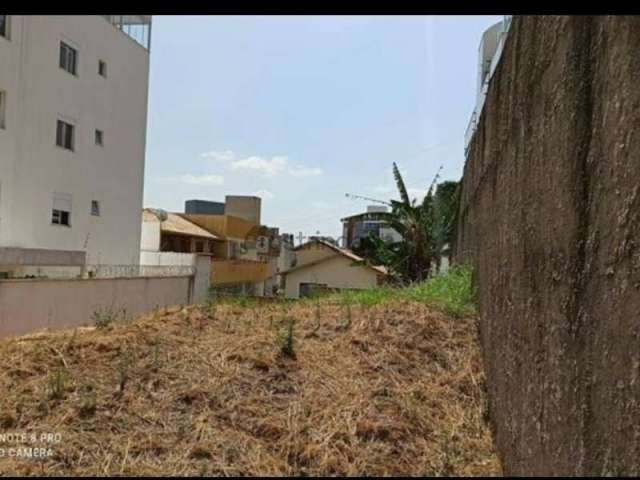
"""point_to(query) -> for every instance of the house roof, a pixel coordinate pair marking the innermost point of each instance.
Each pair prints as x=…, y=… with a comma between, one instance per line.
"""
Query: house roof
x=340, y=251
x=174, y=223
x=373, y=216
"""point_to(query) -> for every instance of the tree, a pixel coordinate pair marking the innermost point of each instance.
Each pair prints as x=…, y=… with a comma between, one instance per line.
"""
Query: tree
x=445, y=210
x=425, y=228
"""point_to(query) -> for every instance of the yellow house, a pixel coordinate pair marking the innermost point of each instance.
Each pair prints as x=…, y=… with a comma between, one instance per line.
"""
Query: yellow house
x=321, y=265
x=236, y=260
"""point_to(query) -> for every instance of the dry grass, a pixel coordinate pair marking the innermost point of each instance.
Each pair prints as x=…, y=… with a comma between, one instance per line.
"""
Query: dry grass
x=397, y=391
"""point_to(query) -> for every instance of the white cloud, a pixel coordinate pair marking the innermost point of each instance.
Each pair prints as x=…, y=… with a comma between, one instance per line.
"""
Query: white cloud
x=269, y=167
x=225, y=156
x=300, y=171
x=264, y=194
x=208, y=180
x=259, y=164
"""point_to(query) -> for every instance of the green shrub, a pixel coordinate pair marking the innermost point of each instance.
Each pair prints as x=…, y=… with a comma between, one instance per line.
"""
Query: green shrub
x=452, y=291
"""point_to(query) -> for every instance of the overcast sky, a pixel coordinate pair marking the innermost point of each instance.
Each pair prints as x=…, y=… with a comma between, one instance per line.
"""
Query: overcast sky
x=300, y=110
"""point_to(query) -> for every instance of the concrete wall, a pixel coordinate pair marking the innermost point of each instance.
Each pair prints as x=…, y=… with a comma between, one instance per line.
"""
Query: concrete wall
x=167, y=258
x=337, y=272
x=150, y=235
x=202, y=280
x=32, y=167
x=241, y=206
x=70, y=303
x=29, y=305
x=550, y=217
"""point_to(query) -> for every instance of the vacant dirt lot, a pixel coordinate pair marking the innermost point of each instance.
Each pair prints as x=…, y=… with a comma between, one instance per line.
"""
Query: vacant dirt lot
x=386, y=390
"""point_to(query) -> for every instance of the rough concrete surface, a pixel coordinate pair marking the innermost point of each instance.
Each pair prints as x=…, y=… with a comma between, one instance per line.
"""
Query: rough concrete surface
x=550, y=217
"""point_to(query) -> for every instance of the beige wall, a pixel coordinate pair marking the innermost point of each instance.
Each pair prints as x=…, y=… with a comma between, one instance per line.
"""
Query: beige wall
x=69, y=303
x=337, y=272
x=312, y=252
x=32, y=167
x=238, y=271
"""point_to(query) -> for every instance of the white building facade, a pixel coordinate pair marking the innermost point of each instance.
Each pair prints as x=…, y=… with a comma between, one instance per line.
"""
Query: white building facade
x=73, y=117
x=489, y=53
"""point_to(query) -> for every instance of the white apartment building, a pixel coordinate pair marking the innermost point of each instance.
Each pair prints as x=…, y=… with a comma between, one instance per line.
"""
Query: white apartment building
x=73, y=118
x=489, y=53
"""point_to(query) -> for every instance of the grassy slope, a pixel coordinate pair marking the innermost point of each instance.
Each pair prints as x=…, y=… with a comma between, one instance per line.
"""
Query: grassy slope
x=381, y=385
x=451, y=293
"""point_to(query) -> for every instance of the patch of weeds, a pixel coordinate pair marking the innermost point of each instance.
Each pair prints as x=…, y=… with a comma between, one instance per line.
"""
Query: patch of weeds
x=211, y=305
x=155, y=365
x=57, y=383
x=124, y=367
x=452, y=291
x=318, y=316
x=104, y=318
x=367, y=297
x=346, y=306
x=449, y=453
x=286, y=340
x=19, y=406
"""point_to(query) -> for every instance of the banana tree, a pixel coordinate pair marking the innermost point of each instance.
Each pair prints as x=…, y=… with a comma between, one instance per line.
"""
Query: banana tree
x=410, y=259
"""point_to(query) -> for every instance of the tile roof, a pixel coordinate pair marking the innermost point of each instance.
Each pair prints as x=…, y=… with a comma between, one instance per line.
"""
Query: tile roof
x=174, y=223
x=341, y=251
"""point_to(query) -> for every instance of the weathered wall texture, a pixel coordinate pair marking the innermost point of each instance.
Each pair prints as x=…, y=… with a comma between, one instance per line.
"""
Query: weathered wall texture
x=550, y=217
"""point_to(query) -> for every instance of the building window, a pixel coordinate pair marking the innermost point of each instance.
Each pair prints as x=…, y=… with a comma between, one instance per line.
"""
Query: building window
x=95, y=208
x=99, y=138
x=68, y=58
x=61, y=210
x=4, y=26
x=102, y=68
x=60, y=217
x=64, y=135
x=3, y=106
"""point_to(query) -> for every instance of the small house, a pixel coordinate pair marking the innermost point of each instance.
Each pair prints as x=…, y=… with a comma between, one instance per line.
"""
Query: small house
x=321, y=265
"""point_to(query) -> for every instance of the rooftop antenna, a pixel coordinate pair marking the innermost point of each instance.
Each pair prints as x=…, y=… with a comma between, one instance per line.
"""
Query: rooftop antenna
x=360, y=197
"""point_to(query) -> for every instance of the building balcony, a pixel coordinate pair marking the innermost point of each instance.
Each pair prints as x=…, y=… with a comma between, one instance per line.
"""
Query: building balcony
x=136, y=27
